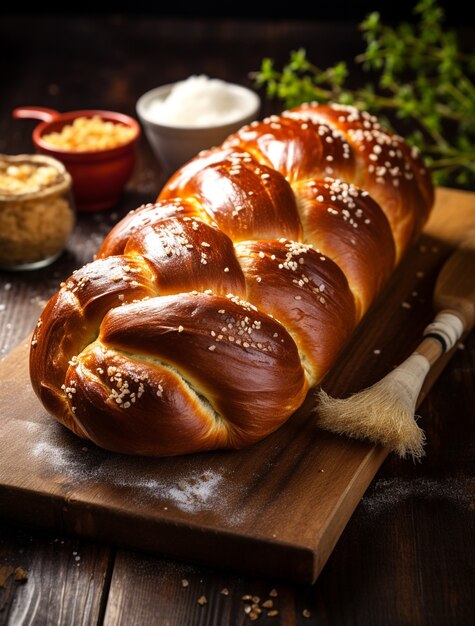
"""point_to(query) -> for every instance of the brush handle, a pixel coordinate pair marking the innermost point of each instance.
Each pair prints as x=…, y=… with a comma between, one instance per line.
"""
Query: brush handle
x=441, y=335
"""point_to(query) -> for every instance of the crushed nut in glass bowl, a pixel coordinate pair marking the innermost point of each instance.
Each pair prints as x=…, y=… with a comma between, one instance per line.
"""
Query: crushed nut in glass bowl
x=37, y=212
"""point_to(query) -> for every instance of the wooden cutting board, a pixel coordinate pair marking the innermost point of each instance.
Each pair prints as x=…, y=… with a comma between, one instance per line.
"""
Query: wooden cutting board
x=276, y=509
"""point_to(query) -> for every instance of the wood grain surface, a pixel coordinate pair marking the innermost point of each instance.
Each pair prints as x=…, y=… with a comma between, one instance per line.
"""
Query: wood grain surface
x=275, y=509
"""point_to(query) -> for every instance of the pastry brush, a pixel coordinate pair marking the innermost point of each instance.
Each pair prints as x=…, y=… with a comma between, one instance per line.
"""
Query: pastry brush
x=385, y=412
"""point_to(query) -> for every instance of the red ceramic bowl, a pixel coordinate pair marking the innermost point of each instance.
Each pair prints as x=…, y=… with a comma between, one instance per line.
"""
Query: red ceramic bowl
x=98, y=177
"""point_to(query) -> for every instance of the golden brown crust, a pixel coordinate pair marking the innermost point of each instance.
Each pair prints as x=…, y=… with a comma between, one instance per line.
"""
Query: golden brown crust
x=155, y=361
x=297, y=148
x=394, y=176
x=71, y=321
x=244, y=198
x=347, y=225
x=145, y=215
x=207, y=315
x=186, y=254
x=116, y=399
x=307, y=292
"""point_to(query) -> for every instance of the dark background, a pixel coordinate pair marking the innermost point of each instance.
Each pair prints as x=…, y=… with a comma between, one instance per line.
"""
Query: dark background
x=330, y=10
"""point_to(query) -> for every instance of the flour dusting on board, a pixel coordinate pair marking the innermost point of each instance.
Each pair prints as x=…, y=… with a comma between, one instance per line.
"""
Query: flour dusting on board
x=191, y=491
x=196, y=492
x=386, y=494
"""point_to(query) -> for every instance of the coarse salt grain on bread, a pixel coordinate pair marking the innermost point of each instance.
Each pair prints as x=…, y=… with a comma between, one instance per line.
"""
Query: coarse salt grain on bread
x=208, y=315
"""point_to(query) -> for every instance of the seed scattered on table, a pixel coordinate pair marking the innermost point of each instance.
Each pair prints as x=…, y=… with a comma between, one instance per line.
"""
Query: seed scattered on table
x=202, y=600
x=273, y=593
x=20, y=574
x=225, y=591
x=306, y=613
x=184, y=583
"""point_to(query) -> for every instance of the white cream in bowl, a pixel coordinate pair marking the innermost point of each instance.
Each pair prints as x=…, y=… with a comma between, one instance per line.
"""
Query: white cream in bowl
x=200, y=101
x=183, y=118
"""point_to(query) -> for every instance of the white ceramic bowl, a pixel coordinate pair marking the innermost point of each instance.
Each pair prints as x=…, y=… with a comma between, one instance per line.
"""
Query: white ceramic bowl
x=175, y=145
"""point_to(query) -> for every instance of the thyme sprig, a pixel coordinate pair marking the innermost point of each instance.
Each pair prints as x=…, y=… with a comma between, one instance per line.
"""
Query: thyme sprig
x=421, y=84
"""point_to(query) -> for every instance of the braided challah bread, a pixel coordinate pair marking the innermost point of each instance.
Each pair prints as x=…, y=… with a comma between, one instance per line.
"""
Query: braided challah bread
x=207, y=315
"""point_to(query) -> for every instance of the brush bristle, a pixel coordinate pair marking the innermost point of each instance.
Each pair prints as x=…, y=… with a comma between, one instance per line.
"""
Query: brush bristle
x=375, y=414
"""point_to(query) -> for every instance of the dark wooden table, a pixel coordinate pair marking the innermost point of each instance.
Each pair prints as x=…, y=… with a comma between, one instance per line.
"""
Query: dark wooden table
x=407, y=555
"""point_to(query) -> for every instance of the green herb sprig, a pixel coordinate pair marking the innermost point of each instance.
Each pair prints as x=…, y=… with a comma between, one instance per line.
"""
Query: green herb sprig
x=421, y=84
